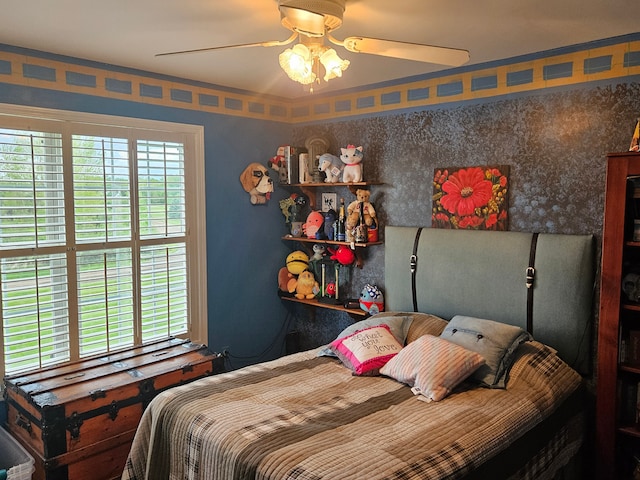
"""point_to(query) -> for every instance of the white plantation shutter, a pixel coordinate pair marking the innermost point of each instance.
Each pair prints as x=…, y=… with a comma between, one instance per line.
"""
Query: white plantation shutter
x=94, y=244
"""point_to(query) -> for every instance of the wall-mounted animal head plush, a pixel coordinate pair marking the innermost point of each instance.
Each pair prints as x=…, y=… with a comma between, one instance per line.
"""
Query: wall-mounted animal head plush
x=256, y=181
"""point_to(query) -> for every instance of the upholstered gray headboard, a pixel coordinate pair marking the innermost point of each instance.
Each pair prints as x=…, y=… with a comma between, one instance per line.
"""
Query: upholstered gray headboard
x=483, y=274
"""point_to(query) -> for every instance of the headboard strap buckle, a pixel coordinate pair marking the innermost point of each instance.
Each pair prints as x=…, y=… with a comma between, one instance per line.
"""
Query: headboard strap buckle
x=531, y=274
x=413, y=263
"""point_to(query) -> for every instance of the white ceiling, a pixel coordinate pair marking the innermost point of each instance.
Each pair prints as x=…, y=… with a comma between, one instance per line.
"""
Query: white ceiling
x=130, y=32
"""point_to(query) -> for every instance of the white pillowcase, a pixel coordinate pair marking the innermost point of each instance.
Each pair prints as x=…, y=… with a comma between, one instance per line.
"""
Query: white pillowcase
x=432, y=366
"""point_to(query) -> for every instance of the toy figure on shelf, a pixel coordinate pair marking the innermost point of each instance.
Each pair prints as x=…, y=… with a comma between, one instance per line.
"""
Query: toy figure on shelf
x=315, y=221
x=319, y=252
x=354, y=210
x=343, y=254
x=635, y=140
x=330, y=217
x=371, y=299
x=331, y=166
x=306, y=286
x=352, y=158
x=293, y=210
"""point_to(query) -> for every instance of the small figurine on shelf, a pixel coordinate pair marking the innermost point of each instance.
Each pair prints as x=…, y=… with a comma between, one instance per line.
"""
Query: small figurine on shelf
x=371, y=299
x=293, y=210
x=343, y=254
x=635, y=140
x=314, y=223
x=306, y=286
x=360, y=211
x=352, y=158
x=331, y=166
x=330, y=218
x=319, y=252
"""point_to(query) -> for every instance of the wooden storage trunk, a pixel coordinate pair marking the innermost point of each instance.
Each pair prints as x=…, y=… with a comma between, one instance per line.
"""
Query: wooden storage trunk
x=78, y=420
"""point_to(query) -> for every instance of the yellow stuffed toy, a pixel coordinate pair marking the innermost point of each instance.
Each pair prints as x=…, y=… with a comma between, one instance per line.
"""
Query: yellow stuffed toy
x=306, y=286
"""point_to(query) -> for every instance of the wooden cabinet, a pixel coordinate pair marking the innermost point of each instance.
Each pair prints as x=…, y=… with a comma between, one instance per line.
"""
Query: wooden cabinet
x=618, y=365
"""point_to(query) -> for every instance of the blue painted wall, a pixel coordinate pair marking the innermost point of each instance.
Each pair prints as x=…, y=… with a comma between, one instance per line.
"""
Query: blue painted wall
x=244, y=250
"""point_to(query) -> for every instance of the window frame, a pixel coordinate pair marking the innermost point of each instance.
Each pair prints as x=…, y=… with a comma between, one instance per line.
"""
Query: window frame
x=192, y=136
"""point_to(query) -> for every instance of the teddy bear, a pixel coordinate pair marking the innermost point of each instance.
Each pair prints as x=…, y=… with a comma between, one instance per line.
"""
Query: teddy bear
x=306, y=286
x=353, y=210
x=352, y=158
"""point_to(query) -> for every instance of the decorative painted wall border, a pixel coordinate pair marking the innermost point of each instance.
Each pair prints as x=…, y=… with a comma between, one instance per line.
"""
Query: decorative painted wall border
x=484, y=81
x=596, y=61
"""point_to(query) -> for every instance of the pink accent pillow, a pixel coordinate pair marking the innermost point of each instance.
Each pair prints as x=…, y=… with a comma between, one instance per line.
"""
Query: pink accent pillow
x=366, y=350
x=432, y=366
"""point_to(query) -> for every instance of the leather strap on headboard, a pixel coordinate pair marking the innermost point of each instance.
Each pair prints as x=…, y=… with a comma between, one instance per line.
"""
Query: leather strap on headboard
x=413, y=267
x=479, y=274
x=530, y=278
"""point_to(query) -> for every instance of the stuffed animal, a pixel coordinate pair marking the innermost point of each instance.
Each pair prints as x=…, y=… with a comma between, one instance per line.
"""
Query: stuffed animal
x=306, y=286
x=330, y=217
x=319, y=251
x=279, y=163
x=315, y=221
x=353, y=210
x=352, y=158
x=371, y=299
x=344, y=255
x=285, y=280
x=331, y=166
x=256, y=181
x=297, y=262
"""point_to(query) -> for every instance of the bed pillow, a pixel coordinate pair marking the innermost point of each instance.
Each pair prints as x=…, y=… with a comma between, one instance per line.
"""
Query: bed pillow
x=495, y=341
x=432, y=366
x=424, y=323
x=398, y=324
x=365, y=351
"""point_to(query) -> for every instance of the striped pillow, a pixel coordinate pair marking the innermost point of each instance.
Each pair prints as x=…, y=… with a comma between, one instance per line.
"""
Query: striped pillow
x=432, y=366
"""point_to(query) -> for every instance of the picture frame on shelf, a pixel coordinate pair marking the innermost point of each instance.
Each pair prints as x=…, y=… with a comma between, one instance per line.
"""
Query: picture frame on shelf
x=329, y=201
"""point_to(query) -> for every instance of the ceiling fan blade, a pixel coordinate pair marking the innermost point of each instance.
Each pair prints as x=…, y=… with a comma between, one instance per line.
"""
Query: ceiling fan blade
x=453, y=57
x=274, y=43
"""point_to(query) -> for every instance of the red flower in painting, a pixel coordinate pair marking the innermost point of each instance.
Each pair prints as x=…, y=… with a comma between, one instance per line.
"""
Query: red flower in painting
x=472, y=221
x=491, y=220
x=466, y=190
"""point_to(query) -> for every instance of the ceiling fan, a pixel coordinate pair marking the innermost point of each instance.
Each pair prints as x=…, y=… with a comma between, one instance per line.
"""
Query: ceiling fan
x=314, y=20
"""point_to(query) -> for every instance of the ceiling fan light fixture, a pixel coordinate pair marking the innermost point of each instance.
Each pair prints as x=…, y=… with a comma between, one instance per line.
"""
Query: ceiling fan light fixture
x=333, y=64
x=297, y=63
x=311, y=17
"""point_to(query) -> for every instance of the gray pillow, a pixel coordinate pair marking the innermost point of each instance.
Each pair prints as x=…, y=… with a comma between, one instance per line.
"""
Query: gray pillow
x=398, y=324
x=495, y=341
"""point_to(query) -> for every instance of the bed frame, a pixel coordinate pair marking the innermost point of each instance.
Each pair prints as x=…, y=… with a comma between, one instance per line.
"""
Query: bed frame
x=560, y=270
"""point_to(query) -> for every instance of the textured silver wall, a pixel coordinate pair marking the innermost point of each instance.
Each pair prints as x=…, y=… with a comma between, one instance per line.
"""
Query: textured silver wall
x=554, y=141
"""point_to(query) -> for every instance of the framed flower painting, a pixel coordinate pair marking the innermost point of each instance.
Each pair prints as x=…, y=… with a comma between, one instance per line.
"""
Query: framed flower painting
x=473, y=198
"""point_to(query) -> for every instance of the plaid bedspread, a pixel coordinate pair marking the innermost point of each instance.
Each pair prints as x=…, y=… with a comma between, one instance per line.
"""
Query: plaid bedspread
x=307, y=418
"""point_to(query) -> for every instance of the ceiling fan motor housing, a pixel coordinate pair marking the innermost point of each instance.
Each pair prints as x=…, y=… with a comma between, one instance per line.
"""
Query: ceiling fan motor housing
x=331, y=10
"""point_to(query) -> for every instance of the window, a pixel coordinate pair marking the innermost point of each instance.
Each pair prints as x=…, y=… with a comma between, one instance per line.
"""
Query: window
x=101, y=236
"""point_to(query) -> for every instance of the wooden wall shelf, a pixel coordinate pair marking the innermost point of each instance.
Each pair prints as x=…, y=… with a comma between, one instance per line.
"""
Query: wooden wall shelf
x=309, y=189
x=353, y=312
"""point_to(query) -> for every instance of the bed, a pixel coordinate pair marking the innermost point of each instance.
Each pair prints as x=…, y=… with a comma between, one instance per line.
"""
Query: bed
x=518, y=412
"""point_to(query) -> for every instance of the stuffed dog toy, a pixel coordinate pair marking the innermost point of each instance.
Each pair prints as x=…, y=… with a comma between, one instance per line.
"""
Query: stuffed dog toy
x=256, y=181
